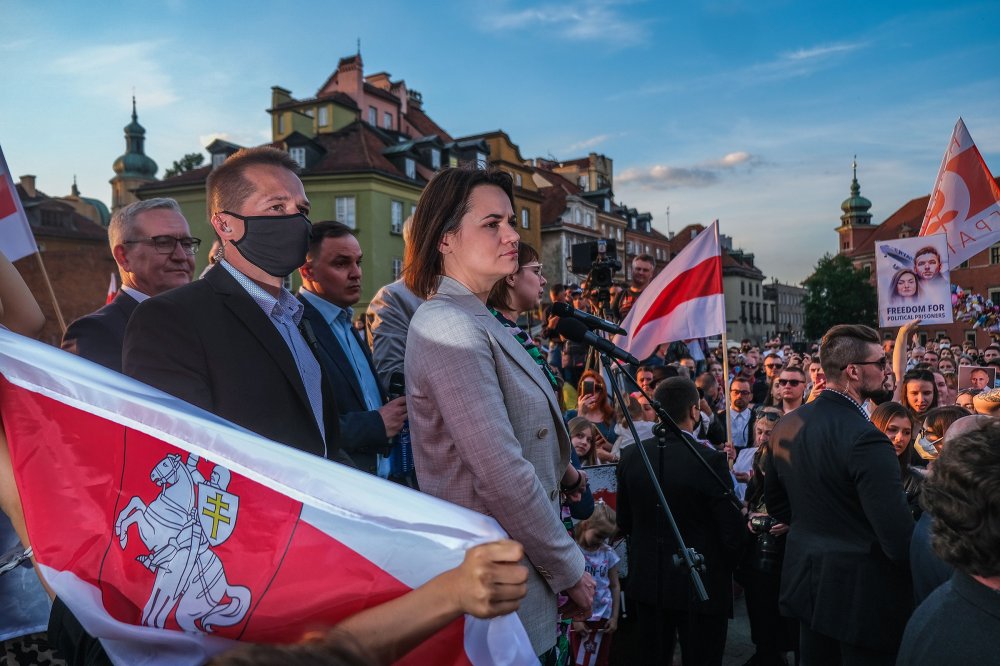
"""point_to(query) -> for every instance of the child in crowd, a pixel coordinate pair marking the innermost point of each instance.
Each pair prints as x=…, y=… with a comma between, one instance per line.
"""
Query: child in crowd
x=582, y=434
x=590, y=641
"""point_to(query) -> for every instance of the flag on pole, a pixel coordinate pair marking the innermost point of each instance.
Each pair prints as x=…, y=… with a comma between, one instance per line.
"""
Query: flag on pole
x=172, y=534
x=16, y=239
x=965, y=203
x=684, y=301
x=112, y=289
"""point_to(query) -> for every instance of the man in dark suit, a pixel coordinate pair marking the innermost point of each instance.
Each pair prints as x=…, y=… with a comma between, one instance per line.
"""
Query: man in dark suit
x=660, y=592
x=152, y=244
x=740, y=412
x=834, y=478
x=331, y=284
x=230, y=342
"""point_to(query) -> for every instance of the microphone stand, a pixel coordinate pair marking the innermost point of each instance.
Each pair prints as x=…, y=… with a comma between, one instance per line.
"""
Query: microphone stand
x=686, y=557
x=667, y=424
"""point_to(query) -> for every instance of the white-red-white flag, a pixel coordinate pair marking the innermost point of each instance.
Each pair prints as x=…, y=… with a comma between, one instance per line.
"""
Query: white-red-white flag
x=172, y=534
x=16, y=239
x=112, y=289
x=684, y=301
x=965, y=203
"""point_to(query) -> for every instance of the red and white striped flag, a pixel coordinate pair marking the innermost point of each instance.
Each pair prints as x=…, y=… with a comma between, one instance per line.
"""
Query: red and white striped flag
x=112, y=289
x=965, y=203
x=684, y=301
x=16, y=239
x=171, y=534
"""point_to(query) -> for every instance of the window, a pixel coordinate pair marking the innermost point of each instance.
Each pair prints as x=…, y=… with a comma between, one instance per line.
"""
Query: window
x=743, y=310
x=628, y=247
x=397, y=268
x=645, y=248
x=970, y=336
x=281, y=123
x=995, y=254
x=995, y=296
x=590, y=220
x=298, y=154
x=372, y=116
x=618, y=235
x=452, y=161
x=743, y=288
x=867, y=270
x=324, y=116
x=607, y=205
x=481, y=160
x=758, y=291
x=218, y=159
x=435, y=158
x=345, y=211
x=517, y=179
x=387, y=120
x=577, y=216
x=411, y=169
x=397, y=217
x=582, y=182
x=525, y=218
x=758, y=311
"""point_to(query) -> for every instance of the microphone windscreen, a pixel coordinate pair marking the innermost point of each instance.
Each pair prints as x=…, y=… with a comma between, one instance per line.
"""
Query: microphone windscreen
x=562, y=309
x=572, y=329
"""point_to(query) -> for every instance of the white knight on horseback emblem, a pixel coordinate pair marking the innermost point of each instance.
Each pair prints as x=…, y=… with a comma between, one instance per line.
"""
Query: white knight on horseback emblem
x=179, y=527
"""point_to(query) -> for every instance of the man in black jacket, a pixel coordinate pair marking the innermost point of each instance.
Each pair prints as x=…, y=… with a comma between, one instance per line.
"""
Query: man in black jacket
x=660, y=592
x=833, y=477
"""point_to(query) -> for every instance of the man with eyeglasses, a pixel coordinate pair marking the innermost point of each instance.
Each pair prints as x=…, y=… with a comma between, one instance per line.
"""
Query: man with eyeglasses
x=739, y=413
x=834, y=478
x=152, y=245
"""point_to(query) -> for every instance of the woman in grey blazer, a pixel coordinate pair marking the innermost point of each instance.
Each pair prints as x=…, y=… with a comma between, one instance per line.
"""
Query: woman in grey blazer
x=487, y=432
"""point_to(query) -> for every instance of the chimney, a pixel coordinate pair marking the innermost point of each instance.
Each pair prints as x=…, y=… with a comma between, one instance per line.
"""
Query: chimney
x=28, y=185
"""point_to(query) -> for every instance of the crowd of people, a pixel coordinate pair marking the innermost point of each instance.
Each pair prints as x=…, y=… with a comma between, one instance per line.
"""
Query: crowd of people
x=834, y=486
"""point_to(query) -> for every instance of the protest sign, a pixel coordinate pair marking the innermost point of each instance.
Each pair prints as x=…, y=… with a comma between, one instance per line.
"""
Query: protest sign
x=976, y=377
x=913, y=280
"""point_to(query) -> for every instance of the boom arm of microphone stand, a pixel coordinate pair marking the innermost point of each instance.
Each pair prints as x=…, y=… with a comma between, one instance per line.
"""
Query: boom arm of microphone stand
x=667, y=423
x=684, y=554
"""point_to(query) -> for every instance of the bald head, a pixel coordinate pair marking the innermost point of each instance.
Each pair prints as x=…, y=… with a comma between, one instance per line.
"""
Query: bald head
x=987, y=402
x=967, y=424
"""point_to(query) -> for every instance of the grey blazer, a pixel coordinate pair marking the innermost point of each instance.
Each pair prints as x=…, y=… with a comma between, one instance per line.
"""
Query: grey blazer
x=488, y=435
x=389, y=316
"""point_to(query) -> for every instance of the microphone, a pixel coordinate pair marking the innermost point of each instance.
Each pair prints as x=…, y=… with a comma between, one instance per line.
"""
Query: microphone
x=589, y=320
x=576, y=331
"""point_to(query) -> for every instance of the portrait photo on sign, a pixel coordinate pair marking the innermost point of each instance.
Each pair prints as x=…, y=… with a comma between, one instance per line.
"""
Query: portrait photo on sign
x=913, y=281
x=976, y=377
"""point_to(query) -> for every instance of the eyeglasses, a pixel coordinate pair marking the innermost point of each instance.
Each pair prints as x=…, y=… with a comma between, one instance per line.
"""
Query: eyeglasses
x=884, y=362
x=789, y=382
x=750, y=366
x=739, y=392
x=773, y=365
x=166, y=244
x=769, y=415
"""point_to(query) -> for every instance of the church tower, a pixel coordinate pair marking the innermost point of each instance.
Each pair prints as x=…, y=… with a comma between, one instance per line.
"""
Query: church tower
x=856, y=216
x=132, y=169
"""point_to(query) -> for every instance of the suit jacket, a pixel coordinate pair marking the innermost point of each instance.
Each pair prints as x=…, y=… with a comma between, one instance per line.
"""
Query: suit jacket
x=99, y=336
x=391, y=311
x=834, y=479
x=708, y=522
x=487, y=434
x=718, y=432
x=362, y=430
x=209, y=343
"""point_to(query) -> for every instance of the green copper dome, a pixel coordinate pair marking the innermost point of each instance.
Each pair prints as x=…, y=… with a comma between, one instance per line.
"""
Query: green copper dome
x=135, y=163
x=856, y=203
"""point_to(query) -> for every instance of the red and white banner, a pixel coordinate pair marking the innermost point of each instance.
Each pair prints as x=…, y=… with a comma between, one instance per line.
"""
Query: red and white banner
x=171, y=533
x=112, y=289
x=684, y=301
x=16, y=239
x=965, y=203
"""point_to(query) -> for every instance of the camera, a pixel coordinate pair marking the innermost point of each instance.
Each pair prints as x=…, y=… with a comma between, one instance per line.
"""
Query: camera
x=599, y=260
x=767, y=550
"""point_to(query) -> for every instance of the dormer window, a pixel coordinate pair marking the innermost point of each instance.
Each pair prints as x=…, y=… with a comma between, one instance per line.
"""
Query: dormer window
x=298, y=154
x=372, y=116
x=607, y=205
x=582, y=182
x=435, y=158
x=324, y=116
x=481, y=160
x=387, y=120
x=218, y=159
x=517, y=179
x=411, y=169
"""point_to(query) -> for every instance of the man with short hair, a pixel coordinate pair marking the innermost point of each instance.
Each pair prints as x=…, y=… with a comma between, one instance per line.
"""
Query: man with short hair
x=931, y=359
x=331, y=285
x=959, y=622
x=991, y=353
x=791, y=387
x=817, y=378
x=740, y=414
x=708, y=522
x=979, y=379
x=833, y=477
x=643, y=266
x=772, y=366
x=927, y=264
x=152, y=245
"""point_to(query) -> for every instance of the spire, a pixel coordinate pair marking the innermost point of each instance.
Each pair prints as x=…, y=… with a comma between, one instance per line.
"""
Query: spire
x=855, y=186
x=855, y=207
x=75, y=191
x=135, y=116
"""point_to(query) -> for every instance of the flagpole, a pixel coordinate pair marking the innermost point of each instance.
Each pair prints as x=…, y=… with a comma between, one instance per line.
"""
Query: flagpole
x=725, y=388
x=52, y=294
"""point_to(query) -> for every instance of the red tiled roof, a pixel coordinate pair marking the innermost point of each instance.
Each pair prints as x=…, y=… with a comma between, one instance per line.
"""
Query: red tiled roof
x=192, y=177
x=683, y=237
x=554, y=196
x=357, y=147
x=378, y=92
x=424, y=125
x=339, y=97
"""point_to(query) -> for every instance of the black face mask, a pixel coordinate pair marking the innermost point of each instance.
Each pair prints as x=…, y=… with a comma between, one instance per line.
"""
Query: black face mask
x=275, y=244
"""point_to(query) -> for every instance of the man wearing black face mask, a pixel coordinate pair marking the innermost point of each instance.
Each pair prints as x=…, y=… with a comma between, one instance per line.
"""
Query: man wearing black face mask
x=231, y=342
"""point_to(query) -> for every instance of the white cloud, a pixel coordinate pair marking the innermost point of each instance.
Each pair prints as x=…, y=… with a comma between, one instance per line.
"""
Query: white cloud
x=705, y=174
x=586, y=144
x=821, y=51
x=113, y=71
x=600, y=20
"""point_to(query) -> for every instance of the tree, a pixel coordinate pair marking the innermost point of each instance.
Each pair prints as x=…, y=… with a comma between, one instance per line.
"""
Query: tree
x=186, y=163
x=837, y=293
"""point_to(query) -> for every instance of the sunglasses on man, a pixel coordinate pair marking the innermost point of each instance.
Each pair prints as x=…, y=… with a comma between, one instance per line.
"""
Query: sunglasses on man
x=789, y=382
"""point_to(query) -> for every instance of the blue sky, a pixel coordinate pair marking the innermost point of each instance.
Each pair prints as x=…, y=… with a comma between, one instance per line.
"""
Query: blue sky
x=749, y=112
